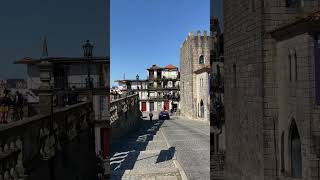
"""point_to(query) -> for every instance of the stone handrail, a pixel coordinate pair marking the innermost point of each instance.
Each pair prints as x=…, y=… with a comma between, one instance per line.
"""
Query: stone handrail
x=124, y=115
x=122, y=105
x=25, y=143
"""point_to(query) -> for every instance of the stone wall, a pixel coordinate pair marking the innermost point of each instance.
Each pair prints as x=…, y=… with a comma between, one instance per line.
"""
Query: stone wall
x=202, y=93
x=258, y=103
x=40, y=148
x=125, y=116
x=243, y=90
x=192, y=48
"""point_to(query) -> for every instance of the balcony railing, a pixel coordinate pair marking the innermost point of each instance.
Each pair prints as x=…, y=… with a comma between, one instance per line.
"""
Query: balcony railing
x=163, y=88
x=62, y=83
x=163, y=97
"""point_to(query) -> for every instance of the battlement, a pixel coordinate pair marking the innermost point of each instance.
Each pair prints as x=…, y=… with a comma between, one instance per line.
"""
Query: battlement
x=199, y=34
x=198, y=38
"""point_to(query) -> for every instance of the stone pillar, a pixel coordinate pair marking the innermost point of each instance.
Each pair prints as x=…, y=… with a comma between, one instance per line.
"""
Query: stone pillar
x=45, y=89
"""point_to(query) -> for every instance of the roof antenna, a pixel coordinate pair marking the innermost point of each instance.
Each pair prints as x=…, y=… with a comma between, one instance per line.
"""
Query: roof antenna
x=45, y=47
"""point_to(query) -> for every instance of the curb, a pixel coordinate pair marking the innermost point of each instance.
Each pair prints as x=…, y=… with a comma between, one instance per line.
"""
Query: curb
x=175, y=161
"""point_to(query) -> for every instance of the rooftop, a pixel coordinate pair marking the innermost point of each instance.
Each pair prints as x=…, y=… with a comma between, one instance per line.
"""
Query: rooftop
x=62, y=60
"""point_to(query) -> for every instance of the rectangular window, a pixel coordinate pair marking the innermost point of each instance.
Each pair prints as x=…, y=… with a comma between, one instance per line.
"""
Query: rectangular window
x=294, y=3
x=234, y=75
x=296, y=66
x=290, y=69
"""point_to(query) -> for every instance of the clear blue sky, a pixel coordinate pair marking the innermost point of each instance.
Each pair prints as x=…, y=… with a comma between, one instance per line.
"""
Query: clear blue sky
x=146, y=32
x=67, y=24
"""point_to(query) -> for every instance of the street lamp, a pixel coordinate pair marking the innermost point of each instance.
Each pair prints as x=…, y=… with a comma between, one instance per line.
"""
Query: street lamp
x=87, y=52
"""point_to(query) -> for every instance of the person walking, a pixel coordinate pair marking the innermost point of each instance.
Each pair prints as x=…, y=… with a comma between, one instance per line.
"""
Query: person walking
x=150, y=115
x=6, y=102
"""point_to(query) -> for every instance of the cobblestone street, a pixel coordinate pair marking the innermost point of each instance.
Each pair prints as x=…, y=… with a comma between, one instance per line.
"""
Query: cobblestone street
x=191, y=140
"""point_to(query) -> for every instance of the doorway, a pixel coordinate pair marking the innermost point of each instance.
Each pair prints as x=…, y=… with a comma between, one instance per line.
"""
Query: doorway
x=296, y=159
x=144, y=106
x=201, y=109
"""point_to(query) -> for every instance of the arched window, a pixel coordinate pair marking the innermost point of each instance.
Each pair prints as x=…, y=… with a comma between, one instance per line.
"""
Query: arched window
x=201, y=59
x=295, y=65
x=253, y=5
x=282, y=152
x=295, y=151
x=290, y=70
x=201, y=109
x=234, y=69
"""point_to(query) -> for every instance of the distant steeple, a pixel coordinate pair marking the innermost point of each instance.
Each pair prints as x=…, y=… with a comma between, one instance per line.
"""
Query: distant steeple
x=45, y=48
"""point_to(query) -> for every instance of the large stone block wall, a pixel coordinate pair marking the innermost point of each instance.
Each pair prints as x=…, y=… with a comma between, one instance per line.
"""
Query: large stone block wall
x=202, y=93
x=275, y=15
x=252, y=106
x=31, y=151
x=297, y=102
x=192, y=48
x=243, y=90
x=125, y=116
x=186, y=78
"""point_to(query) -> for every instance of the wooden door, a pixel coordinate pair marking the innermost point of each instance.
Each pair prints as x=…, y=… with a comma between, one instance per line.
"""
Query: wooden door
x=166, y=105
x=144, y=107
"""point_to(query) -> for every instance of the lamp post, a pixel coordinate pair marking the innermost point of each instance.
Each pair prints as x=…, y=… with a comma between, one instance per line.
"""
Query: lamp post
x=87, y=52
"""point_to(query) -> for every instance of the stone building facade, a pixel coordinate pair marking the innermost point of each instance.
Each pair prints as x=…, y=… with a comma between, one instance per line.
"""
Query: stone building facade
x=195, y=71
x=272, y=119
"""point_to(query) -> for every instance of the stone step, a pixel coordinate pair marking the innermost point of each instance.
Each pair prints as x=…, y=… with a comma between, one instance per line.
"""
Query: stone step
x=155, y=176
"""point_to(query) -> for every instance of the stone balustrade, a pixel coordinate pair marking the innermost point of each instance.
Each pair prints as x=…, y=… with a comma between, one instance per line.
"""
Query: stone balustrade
x=25, y=144
x=125, y=115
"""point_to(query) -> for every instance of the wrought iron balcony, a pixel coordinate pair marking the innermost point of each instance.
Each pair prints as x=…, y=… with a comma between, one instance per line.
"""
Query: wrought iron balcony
x=62, y=83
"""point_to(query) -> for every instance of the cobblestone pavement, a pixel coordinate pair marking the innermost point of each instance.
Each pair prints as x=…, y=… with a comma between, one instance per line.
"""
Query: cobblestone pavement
x=191, y=140
x=143, y=154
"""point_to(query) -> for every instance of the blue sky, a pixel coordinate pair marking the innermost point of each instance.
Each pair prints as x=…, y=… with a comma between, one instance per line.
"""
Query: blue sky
x=67, y=24
x=146, y=32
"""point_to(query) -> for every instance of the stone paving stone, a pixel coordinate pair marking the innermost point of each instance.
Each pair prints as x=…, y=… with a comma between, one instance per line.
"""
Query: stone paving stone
x=192, y=148
x=142, y=155
x=166, y=178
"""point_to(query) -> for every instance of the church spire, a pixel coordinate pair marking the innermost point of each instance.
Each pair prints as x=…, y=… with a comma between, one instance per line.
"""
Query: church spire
x=45, y=48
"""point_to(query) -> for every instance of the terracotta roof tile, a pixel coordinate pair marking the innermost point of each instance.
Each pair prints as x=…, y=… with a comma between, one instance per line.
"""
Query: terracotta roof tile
x=170, y=66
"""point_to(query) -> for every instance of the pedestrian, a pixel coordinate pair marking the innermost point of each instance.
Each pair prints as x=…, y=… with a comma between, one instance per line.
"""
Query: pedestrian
x=150, y=115
x=5, y=104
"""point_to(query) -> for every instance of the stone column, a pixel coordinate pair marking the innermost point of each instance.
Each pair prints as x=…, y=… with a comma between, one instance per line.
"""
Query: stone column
x=45, y=89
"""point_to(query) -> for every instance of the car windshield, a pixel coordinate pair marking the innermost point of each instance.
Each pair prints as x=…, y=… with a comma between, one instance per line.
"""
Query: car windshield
x=164, y=113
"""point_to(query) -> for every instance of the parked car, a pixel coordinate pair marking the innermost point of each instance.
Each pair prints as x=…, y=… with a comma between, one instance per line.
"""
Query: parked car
x=164, y=115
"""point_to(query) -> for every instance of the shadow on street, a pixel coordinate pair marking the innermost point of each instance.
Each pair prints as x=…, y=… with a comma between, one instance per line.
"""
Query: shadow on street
x=125, y=151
